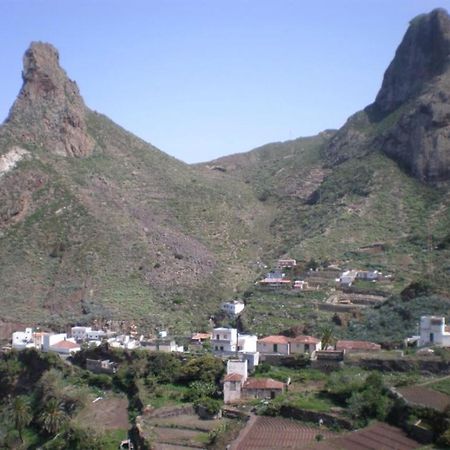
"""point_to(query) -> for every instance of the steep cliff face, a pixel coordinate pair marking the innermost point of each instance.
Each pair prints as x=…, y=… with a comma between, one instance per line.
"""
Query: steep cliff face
x=410, y=118
x=415, y=94
x=49, y=110
x=423, y=54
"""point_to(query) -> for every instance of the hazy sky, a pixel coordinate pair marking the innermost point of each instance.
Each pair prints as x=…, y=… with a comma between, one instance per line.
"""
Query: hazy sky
x=205, y=78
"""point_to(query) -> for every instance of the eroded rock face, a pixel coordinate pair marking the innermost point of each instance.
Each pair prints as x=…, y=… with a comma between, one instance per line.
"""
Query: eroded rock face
x=420, y=140
x=49, y=110
x=410, y=118
x=423, y=54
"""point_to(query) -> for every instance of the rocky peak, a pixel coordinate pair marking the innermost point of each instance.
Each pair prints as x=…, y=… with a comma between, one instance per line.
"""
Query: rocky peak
x=49, y=110
x=423, y=54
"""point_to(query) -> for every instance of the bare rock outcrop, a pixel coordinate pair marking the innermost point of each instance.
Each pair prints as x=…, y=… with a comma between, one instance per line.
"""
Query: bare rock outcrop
x=410, y=118
x=49, y=110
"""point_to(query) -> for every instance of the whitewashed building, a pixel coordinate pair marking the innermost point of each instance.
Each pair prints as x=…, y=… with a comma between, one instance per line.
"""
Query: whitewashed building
x=237, y=372
x=227, y=341
x=433, y=331
x=79, y=333
x=233, y=308
x=23, y=339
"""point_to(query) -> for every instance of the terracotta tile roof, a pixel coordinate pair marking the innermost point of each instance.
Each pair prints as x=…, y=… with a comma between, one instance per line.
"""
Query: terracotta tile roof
x=263, y=383
x=233, y=377
x=199, y=336
x=65, y=345
x=275, y=339
x=305, y=340
x=275, y=280
x=357, y=345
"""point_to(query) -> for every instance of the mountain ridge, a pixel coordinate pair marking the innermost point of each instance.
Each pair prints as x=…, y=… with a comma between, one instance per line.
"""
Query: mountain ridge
x=95, y=223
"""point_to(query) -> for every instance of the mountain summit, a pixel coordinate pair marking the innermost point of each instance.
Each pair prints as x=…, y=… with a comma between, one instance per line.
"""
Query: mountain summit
x=410, y=118
x=49, y=110
x=423, y=54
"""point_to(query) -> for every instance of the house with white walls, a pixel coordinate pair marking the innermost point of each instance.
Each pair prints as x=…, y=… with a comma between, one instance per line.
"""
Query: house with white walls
x=79, y=333
x=23, y=339
x=226, y=341
x=237, y=373
x=233, y=308
x=284, y=346
x=274, y=345
x=433, y=331
x=65, y=347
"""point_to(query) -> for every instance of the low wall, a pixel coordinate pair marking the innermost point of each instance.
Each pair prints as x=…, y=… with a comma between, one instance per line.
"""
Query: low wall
x=402, y=365
x=169, y=411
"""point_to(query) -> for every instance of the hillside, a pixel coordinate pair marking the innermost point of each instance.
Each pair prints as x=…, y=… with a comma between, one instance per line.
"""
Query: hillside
x=97, y=224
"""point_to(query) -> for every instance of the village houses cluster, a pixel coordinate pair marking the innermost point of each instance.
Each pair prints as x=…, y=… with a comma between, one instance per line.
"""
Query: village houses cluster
x=243, y=352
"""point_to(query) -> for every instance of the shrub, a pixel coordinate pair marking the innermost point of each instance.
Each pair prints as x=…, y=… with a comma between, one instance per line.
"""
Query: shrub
x=209, y=405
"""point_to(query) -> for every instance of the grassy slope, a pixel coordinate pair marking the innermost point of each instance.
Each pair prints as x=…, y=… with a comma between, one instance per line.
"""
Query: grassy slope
x=133, y=234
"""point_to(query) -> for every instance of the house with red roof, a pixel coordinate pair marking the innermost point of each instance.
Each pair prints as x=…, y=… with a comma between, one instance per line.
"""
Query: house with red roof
x=65, y=347
x=285, y=346
x=276, y=344
x=262, y=388
x=357, y=346
x=237, y=385
x=304, y=344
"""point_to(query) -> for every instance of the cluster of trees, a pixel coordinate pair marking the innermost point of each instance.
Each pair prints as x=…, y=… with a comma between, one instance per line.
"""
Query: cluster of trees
x=39, y=397
x=40, y=394
x=365, y=396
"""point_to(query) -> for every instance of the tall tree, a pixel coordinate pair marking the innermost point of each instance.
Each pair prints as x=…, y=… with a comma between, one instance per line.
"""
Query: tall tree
x=53, y=416
x=21, y=414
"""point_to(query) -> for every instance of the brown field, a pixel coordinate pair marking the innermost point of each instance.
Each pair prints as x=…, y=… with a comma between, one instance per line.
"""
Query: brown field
x=379, y=436
x=271, y=433
x=420, y=395
x=106, y=414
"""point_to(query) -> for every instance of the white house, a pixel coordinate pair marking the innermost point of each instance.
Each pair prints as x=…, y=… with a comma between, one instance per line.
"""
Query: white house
x=300, y=284
x=23, y=339
x=95, y=335
x=347, y=278
x=283, y=345
x=233, y=308
x=224, y=340
x=51, y=339
x=370, y=275
x=237, y=372
x=227, y=341
x=65, y=347
x=274, y=345
x=247, y=343
x=304, y=344
x=286, y=263
x=433, y=331
x=79, y=333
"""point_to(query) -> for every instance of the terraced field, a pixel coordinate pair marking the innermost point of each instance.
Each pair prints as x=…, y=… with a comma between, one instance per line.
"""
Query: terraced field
x=272, y=433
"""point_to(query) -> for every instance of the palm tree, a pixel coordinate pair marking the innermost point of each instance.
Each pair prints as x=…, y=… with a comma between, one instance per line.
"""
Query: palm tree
x=53, y=416
x=327, y=337
x=21, y=414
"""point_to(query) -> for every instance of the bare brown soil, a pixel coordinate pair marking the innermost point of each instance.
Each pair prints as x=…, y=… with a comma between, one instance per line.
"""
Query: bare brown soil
x=272, y=433
x=421, y=395
x=380, y=436
x=106, y=414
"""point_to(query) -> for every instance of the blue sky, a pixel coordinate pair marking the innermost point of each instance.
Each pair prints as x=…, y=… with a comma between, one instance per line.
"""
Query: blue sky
x=205, y=78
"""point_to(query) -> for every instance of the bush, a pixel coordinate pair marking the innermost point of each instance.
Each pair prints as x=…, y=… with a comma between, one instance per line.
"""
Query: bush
x=209, y=405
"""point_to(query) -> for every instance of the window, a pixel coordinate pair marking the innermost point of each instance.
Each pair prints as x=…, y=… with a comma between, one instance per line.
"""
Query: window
x=218, y=337
x=431, y=337
x=306, y=347
x=221, y=348
x=275, y=348
x=232, y=385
